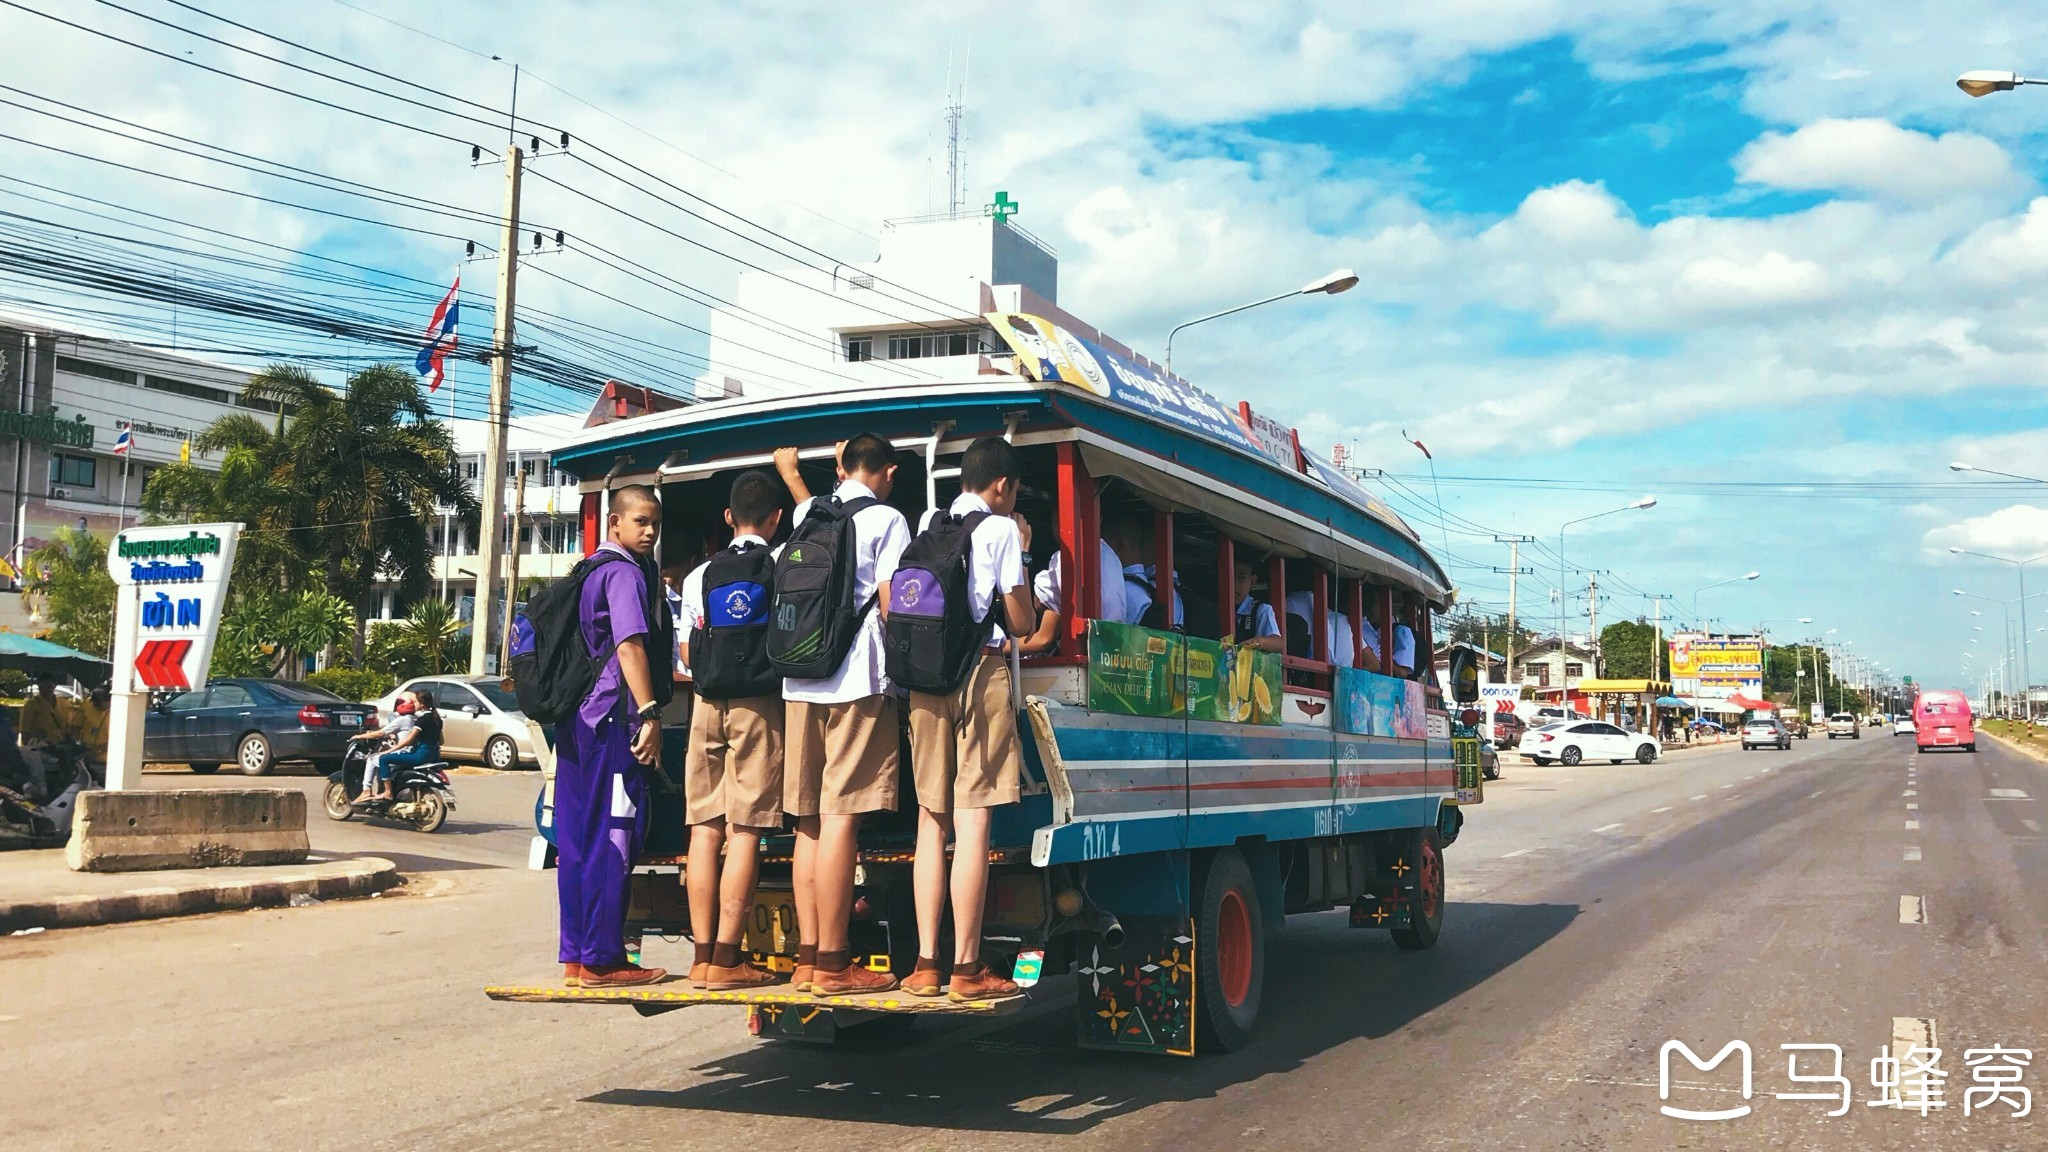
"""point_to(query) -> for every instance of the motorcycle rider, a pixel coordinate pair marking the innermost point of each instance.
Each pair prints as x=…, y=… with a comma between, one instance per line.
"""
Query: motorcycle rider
x=417, y=732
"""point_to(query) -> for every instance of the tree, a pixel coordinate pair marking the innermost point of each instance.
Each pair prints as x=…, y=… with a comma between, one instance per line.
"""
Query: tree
x=429, y=642
x=1625, y=649
x=272, y=553
x=66, y=582
x=1487, y=630
x=274, y=634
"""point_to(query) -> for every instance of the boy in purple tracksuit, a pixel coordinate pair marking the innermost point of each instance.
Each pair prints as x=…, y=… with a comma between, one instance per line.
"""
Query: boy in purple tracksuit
x=602, y=752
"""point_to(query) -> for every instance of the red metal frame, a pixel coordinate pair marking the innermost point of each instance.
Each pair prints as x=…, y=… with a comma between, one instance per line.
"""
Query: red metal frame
x=1162, y=567
x=1226, y=585
x=1080, y=536
x=593, y=521
x=1319, y=616
x=1354, y=608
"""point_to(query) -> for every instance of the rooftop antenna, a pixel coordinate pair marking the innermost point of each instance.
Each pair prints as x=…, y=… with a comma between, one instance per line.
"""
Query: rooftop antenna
x=955, y=109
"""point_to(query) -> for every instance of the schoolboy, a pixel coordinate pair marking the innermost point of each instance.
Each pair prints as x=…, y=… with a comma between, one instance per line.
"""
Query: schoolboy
x=1256, y=626
x=963, y=746
x=732, y=777
x=840, y=734
x=602, y=752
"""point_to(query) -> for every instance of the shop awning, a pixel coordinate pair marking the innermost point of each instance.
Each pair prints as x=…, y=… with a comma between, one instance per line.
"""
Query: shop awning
x=1624, y=687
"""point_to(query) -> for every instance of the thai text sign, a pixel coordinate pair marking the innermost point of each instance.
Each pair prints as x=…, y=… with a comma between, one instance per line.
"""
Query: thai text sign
x=1139, y=671
x=170, y=584
x=1720, y=665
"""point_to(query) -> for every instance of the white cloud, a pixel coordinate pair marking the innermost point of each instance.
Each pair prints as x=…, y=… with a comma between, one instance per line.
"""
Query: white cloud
x=2018, y=532
x=1876, y=157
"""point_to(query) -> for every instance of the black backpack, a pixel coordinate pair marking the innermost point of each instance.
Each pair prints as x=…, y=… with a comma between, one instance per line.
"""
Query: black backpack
x=813, y=619
x=552, y=668
x=729, y=654
x=930, y=637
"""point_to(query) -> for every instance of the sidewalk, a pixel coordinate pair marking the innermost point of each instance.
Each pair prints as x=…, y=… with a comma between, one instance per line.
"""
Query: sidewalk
x=37, y=890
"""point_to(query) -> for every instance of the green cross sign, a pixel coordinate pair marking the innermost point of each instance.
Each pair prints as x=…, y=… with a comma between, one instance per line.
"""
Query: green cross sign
x=1004, y=207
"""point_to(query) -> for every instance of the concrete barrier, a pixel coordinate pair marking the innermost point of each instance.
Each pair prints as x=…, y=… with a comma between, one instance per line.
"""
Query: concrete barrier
x=194, y=828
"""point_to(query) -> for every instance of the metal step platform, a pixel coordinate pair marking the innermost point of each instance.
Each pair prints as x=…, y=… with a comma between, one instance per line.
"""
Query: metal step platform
x=679, y=994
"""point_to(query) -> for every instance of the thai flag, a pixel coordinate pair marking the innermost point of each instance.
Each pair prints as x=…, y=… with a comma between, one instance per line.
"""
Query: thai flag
x=440, y=338
x=123, y=441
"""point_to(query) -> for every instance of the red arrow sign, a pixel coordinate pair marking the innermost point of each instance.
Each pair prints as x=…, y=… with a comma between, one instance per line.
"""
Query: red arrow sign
x=161, y=663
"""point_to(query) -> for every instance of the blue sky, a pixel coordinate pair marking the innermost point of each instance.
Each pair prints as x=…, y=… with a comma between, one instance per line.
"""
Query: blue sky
x=1610, y=248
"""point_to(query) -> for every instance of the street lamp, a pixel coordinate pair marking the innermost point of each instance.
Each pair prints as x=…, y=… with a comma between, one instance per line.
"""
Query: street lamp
x=2026, y=655
x=1645, y=502
x=1342, y=280
x=1733, y=580
x=1983, y=82
x=1959, y=466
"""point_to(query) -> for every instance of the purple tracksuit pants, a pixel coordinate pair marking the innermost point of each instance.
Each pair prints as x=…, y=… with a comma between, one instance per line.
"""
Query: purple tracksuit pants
x=600, y=818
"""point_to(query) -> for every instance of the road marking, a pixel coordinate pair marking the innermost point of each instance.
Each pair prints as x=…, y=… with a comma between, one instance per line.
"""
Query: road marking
x=1813, y=795
x=1725, y=787
x=1912, y=825
x=1701, y=796
x=1656, y=811
x=1910, y=792
x=1912, y=854
x=1912, y=807
x=1607, y=827
x=1912, y=910
x=2032, y=825
x=1517, y=852
x=2008, y=794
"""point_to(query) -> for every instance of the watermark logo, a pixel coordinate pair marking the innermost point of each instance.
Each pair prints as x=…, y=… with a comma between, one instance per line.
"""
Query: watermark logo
x=1692, y=1058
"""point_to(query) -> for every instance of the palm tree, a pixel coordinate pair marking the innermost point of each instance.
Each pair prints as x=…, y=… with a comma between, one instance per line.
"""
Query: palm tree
x=370, y=464
x=433, y=632
x=271, y=555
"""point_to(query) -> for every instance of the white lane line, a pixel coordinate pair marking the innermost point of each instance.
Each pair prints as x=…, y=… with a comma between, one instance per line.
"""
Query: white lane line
x=1912, y=854
x=1912, y=825
x=1912, y=910
x=1725, y=787
x=1607, y=827
x=1908, y=1033
x=2032, y=825
x=1910, y=792
x=1703, y=796
x=1912, y=807
x=1813, y=795
x=1656, y=811
x=2008, y=794
x=1517, y=852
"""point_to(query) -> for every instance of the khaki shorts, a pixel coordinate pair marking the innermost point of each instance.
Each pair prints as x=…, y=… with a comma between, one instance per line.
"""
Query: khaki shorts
x=840, y=759
x=963, y=748
x=734, y=769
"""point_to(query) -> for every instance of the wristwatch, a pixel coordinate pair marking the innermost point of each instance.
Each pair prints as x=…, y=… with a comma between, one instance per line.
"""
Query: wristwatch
x=648, y=711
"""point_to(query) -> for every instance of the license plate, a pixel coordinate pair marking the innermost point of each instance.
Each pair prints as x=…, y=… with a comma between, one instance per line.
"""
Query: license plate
x=772, y=926
x=350, y=720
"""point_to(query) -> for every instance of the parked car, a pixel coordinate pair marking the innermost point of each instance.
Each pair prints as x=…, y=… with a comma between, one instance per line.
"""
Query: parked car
x=1903, y=726
x=1508, y=729
x=1844, y=724
x=1765, y=732
x=1572, y=743
x=1489, y=760
x=253, y=724
x=480, y=720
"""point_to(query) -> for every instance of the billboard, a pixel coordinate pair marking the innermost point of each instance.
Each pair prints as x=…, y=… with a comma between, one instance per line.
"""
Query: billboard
x=1717, y=667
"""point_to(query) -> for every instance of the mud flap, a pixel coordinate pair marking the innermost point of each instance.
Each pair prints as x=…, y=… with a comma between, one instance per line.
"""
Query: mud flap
x=1389, y=901
x=1139, y=996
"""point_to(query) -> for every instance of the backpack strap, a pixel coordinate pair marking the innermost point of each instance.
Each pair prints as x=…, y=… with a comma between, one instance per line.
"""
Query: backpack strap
x=970, y=522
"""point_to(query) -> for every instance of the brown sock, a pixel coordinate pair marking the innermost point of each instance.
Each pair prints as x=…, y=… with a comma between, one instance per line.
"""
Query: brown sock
x=725, y=955
x=807, y=955
x=704, y=952
x=971, y=968
x=927, y=964
x=834, y=961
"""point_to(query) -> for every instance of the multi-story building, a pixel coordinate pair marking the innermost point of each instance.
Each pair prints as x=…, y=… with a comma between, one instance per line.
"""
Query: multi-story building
x=1547, y=666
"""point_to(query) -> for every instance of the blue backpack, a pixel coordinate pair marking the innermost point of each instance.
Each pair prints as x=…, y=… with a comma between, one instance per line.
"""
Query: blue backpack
x=729, y=655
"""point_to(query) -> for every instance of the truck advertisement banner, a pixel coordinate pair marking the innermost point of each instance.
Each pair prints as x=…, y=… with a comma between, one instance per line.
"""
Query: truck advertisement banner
x=1142, y=672
x=1718, y=667
x=1369, y=704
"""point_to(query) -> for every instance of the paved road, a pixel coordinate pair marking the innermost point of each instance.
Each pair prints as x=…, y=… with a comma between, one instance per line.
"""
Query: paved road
x=1597, y=913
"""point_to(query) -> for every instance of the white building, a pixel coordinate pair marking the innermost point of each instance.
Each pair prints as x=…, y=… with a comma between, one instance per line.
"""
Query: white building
x=1546, y=665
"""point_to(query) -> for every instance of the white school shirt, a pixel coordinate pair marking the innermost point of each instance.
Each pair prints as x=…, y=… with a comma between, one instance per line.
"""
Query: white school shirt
x=690, y=605
x=1263, y=621
x=1404, y=646
x=880, y=533
x=995, y=564
x=1337, y=630
x=675, y=615
x=1137, y=601
x=1050, y=585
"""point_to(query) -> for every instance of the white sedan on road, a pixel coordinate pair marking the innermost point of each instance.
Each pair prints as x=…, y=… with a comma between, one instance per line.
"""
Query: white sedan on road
x=1903, y=726
x=1572, y=743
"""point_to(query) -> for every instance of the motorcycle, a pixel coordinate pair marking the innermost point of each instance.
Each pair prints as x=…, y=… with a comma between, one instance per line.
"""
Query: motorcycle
x=420, y=793
x=39, y=794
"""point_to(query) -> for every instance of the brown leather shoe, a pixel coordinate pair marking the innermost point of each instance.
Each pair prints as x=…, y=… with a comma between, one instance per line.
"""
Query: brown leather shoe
x=925, y=980
x=572, y=975
x=982, y=985
x=737, y=978
x=697, y=973
x=621, y=976
x=801, y=978
x=852, y=981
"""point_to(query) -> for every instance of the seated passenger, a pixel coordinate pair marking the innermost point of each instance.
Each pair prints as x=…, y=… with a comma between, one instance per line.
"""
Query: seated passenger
x=1256, y=625
x=1406, y=609
x=1301, y=606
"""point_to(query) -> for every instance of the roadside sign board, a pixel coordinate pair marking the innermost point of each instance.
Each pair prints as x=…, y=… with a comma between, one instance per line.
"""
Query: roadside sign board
x=170, y=583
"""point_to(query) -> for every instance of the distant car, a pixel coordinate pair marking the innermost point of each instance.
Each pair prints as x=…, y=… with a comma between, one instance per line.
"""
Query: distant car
x=1844, y=724
x=1765, y=733
x=480, y=720
x=1573, y=743
x=1508, y=729
x=1489, y=760
x=1903, y=726
x=253, y=724
x=1797, y=728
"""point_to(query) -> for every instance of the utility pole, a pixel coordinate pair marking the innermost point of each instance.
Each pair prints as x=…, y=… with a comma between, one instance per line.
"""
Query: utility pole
x=1593, y=617
x=1657, y=600
x=1514, y=570
x=499, y=413
x=512, y=577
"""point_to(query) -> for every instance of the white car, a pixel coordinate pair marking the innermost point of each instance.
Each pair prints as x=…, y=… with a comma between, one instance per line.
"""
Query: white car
x=1903, y=726
x=480, y=720
x=1574, y=742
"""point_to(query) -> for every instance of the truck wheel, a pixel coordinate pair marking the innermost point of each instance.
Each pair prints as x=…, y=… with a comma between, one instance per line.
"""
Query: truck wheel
x=1426, y=922
x=1230, y=955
